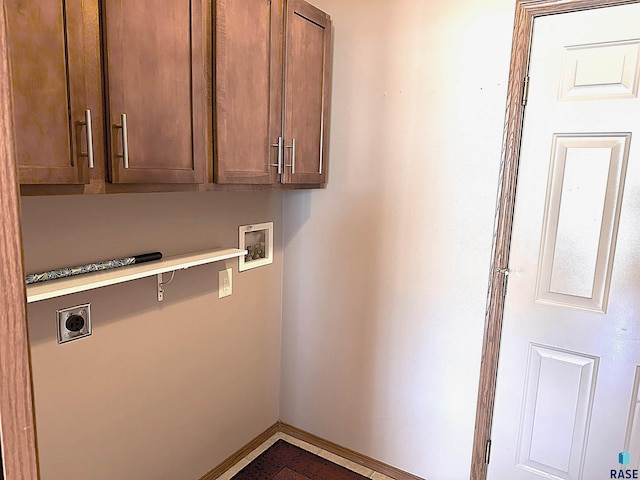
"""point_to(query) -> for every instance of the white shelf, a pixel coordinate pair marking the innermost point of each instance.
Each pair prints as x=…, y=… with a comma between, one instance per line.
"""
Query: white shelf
x=89, y=281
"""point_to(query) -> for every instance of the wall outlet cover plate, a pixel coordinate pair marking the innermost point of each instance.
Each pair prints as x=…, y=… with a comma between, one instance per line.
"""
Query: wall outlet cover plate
x=225, y=283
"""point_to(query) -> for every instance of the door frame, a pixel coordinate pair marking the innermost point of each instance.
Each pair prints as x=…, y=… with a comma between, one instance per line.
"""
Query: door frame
x=17, y=424
x=526, y=13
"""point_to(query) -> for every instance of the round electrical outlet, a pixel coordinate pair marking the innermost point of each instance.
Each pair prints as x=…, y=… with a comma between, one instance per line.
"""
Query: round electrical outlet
x=74, y=323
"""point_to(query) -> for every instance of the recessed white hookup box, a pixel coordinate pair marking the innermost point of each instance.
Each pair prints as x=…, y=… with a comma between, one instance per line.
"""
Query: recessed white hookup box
x=257, y=239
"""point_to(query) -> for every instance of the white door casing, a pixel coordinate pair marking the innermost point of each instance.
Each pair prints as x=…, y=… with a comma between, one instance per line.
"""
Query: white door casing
x=567, y=386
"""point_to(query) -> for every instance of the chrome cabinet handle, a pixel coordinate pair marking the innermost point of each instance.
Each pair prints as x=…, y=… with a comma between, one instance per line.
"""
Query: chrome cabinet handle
x=279, y=164
x=89, y=127
x=125, y=140
x=293, y=156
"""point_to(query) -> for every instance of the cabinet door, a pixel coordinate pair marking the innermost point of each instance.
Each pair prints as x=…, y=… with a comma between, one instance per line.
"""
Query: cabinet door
x=248, y=90
x=306, y=93
x=47, y=43
x=155, y=72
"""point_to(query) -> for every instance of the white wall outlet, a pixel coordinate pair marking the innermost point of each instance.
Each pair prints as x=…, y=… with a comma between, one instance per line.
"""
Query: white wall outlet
x=73, y=323
x=225, y=283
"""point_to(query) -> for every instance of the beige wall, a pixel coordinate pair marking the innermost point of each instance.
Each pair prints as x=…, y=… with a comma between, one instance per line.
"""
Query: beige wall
x=386, y=270
x=160, y=390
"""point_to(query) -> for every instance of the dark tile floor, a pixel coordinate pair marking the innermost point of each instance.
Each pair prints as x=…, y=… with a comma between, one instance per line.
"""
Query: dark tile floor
x=283, y=461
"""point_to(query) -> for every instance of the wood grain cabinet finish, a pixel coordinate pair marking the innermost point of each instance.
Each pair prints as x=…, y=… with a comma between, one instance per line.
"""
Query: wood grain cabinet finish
x=154, y=70
x=48, y=43
x=248, y=90
x=272, y=88
x=155, y=54
x=142, y=71
x=307, y=68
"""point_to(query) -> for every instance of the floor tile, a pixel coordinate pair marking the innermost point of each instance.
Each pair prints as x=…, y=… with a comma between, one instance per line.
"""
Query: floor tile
x=235, y=469
x=307, y=446
x=367, y=472
x=263, y=446
x=379, y=476
x=300, y=443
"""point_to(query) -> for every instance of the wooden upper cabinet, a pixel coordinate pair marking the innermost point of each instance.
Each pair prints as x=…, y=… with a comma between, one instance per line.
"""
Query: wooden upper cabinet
x=272, y=85
x=155, y=58
x=248, y=87
x=48, y=41
x=307, y=77
x=141, y=70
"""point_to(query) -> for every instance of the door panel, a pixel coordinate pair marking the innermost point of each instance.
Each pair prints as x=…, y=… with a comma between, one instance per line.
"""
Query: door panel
x=600, y=71
x=570, y=337
x=559, y=391
x=632, y=441
x=307, y=63
x=248, y=115
x=584, y=197
x=155, y=65
x=46, y=47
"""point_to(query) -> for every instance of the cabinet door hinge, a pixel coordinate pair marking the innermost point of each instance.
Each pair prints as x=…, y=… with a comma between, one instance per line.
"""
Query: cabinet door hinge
x=487, y=452
x=525, y=91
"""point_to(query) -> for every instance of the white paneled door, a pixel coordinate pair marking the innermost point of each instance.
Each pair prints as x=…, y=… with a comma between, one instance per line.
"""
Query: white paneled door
x=568, y=399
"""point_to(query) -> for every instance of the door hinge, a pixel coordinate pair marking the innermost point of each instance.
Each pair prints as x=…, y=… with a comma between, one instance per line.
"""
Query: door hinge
x=487, y=452
x=525, y=91
x=505, y=278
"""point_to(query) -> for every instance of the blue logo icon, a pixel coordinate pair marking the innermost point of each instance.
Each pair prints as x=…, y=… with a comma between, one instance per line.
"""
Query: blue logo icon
x=624, y=458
